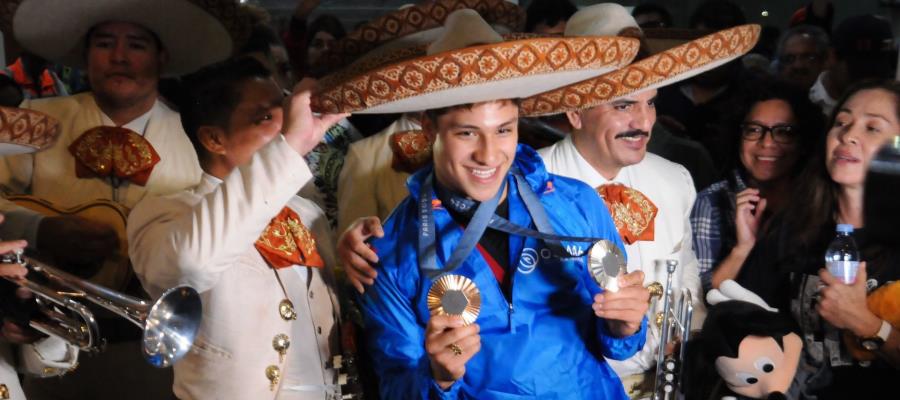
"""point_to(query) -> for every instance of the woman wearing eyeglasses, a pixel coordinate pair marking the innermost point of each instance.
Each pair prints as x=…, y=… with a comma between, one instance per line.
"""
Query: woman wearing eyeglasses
x=775, y=128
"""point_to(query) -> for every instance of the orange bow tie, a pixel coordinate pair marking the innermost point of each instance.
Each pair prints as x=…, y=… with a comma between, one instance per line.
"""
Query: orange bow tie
x=411, y=151
x=632, y=212
x=286, y=241
x=113, y=151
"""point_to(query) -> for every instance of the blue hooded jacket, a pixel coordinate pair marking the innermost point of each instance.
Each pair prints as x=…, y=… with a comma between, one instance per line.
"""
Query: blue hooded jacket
x=546, y=344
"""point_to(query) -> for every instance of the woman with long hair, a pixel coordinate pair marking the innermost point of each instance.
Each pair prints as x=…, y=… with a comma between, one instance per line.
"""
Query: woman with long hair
x=775, y=130
x=788, y=263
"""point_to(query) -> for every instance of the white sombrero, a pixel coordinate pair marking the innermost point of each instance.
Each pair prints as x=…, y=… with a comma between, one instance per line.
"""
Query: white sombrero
x=416, y=25
x=195, y=33
x=25, y=131
x=661, y=69
x=471, y=63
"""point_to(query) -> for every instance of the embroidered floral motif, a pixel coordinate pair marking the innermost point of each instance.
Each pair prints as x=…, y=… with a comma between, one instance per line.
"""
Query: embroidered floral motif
x=414, y=19
x=115, y=152
x=411, y=151
x=473, y=66
x=286, y=241
x=27, y=128
x=651, y=72
x=631, y=211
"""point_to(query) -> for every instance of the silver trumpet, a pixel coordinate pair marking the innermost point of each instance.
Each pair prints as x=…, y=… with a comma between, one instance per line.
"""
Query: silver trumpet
x=169, y=324
x=674, y=322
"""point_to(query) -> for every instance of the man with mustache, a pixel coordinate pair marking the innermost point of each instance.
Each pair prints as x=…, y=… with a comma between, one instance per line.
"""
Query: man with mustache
x=608, y=151
x=125, y=46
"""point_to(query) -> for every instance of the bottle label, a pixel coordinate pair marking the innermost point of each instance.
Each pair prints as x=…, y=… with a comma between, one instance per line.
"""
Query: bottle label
x=844, y=270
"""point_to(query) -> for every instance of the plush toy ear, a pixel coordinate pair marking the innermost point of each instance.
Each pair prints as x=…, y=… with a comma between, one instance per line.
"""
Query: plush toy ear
x=731, y=290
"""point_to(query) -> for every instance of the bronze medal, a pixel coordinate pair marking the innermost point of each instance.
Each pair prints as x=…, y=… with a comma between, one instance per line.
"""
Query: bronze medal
x=606, y=262
x=455, y=295
x=286, y=309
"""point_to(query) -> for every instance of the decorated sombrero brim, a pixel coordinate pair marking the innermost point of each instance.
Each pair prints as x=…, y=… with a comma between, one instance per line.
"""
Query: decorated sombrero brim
x=415, y=25
x=670, y=66
x=194, y=33
x=372, y=61
x=25, y=131
x=504, y=70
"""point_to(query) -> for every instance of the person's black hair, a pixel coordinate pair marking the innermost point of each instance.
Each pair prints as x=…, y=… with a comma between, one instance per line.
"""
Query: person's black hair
x=818, y=36
x=87, y=39
x=11, y=94
x=210, y=95
x=433, y=114
x=653, y=8
x=809, y=121
x=262, y=38
x=327, y=23
x=550, y=12
x=717, y=15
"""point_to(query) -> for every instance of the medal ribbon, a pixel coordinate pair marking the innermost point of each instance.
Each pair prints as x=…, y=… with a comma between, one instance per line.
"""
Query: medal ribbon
x=485, y=216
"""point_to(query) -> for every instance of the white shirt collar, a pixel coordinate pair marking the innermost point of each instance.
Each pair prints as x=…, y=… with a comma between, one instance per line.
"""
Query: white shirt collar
x=138, y=124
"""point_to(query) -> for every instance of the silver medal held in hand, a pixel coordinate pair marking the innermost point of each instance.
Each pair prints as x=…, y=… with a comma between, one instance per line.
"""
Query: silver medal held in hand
x=606, y=262
x=455, y=295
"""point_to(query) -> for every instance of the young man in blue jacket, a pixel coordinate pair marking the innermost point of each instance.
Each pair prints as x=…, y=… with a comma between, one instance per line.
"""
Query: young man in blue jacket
x=545, y=328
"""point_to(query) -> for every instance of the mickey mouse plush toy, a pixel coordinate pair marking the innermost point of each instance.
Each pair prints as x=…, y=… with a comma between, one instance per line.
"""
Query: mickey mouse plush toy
x=745, y=344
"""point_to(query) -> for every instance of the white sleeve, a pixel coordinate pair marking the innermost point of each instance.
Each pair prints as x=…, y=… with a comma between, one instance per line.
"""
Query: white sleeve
x=172, y=243
x=47, y=357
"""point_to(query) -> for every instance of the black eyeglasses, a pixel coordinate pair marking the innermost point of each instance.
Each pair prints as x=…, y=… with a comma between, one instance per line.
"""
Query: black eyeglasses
x=780, y=133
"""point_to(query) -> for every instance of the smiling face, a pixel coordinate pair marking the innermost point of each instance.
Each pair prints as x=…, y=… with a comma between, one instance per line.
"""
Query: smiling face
x=764, y=158
x=614, y=135
x=762, y=366
x=474, y=148
x=123, y=63
x=861, y=126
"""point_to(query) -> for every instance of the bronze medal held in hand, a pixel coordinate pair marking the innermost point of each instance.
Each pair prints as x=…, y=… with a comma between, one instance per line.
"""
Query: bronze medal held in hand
x=455, y=295
x=606, y=262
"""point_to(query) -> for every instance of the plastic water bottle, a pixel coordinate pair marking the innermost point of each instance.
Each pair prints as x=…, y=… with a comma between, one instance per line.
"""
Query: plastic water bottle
x=842, y=257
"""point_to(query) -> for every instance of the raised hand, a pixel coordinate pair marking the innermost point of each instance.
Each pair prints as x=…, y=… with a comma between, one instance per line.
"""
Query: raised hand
x=749, y=209
x=625, y=309
x=303, y=129
x=844, y=306
x=450, y=345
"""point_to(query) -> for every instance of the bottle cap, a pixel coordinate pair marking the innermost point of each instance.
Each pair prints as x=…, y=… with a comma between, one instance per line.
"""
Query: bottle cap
x=844, y=228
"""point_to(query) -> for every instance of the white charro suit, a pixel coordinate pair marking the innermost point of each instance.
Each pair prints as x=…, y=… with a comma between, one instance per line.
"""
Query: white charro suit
x=368, y=185
x=669, y=186
x=204, y=237
x=50, y=174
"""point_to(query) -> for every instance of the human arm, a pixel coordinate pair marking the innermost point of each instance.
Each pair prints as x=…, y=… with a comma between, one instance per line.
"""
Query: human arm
x=356, y=256
x=624, y=309
x=749, y=209
x=706, y=231
x=172, y=242
x=845, y=307
x=397, y=340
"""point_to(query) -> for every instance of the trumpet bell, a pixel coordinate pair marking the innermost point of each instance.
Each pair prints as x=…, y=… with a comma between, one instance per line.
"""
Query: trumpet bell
x=171, y=326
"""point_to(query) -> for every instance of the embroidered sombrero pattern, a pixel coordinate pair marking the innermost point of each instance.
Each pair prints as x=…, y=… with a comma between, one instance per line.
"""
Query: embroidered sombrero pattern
x=415, y=19
x=661, y=69
x=477, y=65
x=27, y=128
x=371, y=62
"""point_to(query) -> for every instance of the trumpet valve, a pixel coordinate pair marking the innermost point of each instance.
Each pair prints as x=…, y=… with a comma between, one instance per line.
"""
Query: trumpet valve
x=656, y=290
